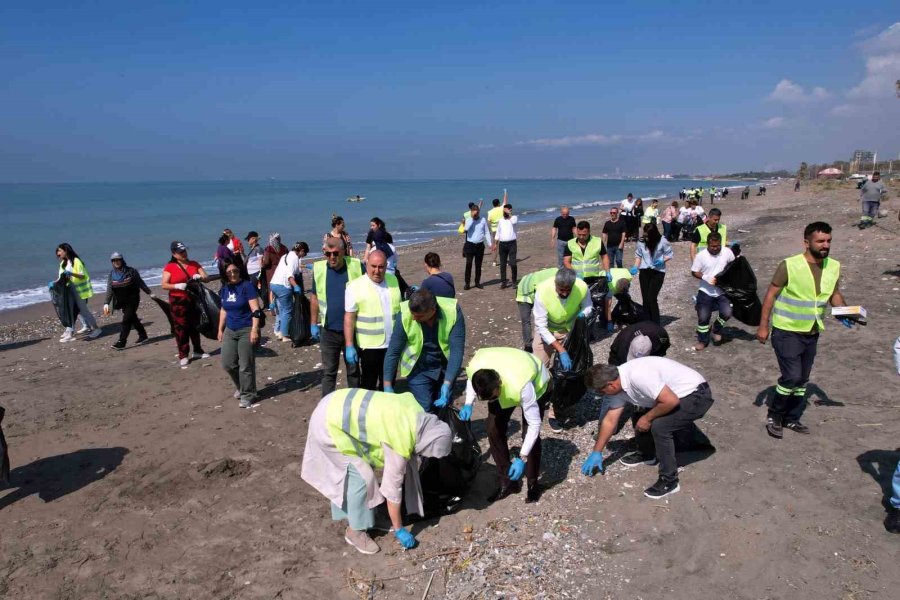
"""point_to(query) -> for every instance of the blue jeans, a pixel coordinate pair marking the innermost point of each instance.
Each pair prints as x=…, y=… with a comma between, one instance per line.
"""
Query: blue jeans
x=284, y=301
x=706, y=304
x=424, y=388
x=615, y=257
x=560, y=249
x=895, y=498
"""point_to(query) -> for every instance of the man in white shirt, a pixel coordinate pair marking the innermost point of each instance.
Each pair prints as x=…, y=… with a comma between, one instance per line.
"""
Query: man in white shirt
x=707, y=265
x=506, y=239
x=668, y=397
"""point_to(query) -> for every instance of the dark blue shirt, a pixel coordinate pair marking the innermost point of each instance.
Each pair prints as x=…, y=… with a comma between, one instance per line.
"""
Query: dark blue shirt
x=335, y=286
x=440, y=285
x=431, y=361
x=236, y=303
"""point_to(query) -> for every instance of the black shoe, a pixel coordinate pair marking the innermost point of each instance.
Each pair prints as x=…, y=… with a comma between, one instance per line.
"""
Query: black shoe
x=479, y=286
x=661, y=489
x=636, y=459
x=773, y=428
x=467, y=287
x=141, y=339
x=797, y=426
x=892, y=522
x=503, y=491
x=503, y=285
x=119, y=345
x=555, y=425
x=534, y=493
x=528, y=349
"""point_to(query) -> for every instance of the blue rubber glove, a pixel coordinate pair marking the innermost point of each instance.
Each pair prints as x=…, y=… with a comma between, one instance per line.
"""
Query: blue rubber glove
x=272, y=307
x=609, y=277
x=298, y=289
x=516, y=469
x=444, y=398
x=314, y=332
x=465, y=413
x=565, y=361
x=659, y=263
x=350, y=355
x=51, y=284
x=848, y=323
x=310, y=266
x=414, y=288
x=406, y=538
x=610, y=326
x=633, y=271
x=592, y=462
x=583, y=314
x=388, y=389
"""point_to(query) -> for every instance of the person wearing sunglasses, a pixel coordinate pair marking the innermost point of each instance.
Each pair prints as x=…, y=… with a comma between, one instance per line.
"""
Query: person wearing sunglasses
x=524, y=383
x=326, y=306
x=185, y=316
x=123, y=291
x=239, y=332
x=613, y=237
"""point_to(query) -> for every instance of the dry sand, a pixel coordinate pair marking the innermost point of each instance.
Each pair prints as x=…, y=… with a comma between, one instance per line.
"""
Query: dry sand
x=136, y=479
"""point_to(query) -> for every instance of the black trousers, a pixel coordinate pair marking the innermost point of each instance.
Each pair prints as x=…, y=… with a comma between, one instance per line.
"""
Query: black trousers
x=331, y=345
x=473, y=253
x=651, y=283
x=525, y=316
x=660, y=440
x=497, y=426
x=796, y=353
x=371, y=367
x=508, y=255
x=129, y=320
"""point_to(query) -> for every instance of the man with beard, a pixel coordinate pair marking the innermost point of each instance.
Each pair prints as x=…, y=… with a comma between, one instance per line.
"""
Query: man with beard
x=800, y=289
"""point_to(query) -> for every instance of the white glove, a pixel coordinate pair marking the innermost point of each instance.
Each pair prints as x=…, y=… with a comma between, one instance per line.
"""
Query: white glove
x=106, y=309
x=180, y=286
x=197, y=277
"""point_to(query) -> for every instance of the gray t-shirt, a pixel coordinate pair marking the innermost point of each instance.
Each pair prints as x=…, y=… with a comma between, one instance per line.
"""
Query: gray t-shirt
x=872, y=191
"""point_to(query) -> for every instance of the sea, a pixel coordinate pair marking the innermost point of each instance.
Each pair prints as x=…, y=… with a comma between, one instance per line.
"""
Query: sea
x=140, y=220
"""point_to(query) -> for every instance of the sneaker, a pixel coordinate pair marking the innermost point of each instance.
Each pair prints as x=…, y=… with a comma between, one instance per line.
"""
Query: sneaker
x=773, y=428
x=797, y=426
x=201, y=354
x=184, y=362
x=661, y=489
x=119, y=345
x=467, y=287
x=479, y=286
x=555, y=425
x=245, y=404
x=141, y=340
x=636, y=459
x=534, y=493
x=361, y=541
x=495, y=264
x=892, y=522
x=84, y=329
x=278, y=336
x=237, y=394
x=67, y=337
x=95, y=333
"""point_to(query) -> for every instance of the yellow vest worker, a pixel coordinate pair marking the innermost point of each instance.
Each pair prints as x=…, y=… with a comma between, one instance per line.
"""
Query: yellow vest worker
x=525, y=300
x=585, y=254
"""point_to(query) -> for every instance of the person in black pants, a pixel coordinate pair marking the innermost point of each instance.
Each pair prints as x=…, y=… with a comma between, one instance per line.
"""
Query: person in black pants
x=478, y=232
x=124, y=285
x=651, y=255
x=506, y=238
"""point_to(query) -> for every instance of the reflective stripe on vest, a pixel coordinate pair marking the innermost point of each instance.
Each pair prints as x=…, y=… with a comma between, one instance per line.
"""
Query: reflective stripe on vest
x=360, y=421
x=516, y=368
x=528, y=284
x=586, y=263
x=561, y=318
x=797, y=306
x=704, y=232
x=82, y=286
x=320, y=275
x=370, y=326
x=414, y=338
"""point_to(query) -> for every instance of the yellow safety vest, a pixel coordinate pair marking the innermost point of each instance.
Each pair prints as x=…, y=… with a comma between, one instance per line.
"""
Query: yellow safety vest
x=561, y=318
x=528, y=284
x=415, y=340
x=587, y=262
x=360, y=421
x=82, y=286
x=704, y=232
x=650, y=214
x=618, y=274
x=797, y=307
x=370, y=326
x=516, y=368
x=494, y=216
x=462, y=226
x=320, y=270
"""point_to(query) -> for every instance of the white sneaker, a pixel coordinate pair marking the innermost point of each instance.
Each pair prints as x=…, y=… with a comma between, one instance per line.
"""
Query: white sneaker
x=84, y=329
x=184, y=362
x=198, y=356
x=67, y=337
x=237, y=394
x=95, y=333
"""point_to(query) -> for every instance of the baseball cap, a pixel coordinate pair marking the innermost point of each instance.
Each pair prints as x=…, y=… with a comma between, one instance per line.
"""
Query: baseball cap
x=640, y=346
x=115, y=256
x=250, y=235
x=178, y=247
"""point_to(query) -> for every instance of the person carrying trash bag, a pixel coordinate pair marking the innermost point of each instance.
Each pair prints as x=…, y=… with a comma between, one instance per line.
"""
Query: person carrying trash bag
x=353, y=432
x=124, y=286
x=525, y=291
x=428, y=342
x=557, y=303
x=524, y=383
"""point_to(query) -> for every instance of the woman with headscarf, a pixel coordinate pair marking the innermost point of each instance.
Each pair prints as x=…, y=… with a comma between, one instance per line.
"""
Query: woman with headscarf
x=338, y=230
x=124, y=285
x=352, y=432
x=185, y=316
x=72, y=268
x=271, y=255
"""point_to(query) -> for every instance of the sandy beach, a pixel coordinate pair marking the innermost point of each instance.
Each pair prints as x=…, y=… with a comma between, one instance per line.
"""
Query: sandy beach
x=136, y=479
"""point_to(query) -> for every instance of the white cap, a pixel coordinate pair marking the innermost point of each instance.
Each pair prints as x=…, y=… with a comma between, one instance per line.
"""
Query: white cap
x=640, y=346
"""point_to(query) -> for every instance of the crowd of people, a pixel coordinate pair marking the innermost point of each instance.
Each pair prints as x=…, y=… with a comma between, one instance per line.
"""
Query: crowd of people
x=385, y=331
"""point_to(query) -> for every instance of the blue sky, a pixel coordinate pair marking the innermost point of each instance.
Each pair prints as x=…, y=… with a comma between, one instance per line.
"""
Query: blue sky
x=298, y=90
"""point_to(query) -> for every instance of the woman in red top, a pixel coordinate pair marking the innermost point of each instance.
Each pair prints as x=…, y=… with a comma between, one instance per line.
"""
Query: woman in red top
x=185, y=317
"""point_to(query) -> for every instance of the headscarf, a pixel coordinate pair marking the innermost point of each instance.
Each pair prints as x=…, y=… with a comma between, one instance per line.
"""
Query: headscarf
x=275, y=241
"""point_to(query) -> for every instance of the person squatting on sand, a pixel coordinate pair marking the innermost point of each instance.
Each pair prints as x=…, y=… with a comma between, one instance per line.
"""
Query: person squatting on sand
x=124, y=285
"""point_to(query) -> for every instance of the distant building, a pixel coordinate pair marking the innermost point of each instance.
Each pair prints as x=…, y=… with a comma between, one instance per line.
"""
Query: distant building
x=862, y=157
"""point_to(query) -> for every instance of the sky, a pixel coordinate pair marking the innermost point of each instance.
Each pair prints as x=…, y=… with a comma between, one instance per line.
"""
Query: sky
x=126, y=91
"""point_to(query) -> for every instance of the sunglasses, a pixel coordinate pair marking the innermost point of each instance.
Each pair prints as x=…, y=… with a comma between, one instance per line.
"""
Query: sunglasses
x=331, y=254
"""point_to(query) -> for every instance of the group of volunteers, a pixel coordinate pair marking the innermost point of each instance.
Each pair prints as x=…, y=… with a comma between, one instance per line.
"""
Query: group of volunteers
x=402, y=347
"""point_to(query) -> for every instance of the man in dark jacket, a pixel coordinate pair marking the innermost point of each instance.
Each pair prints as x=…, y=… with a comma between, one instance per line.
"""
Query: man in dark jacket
x=124, y=286
x=641, y=339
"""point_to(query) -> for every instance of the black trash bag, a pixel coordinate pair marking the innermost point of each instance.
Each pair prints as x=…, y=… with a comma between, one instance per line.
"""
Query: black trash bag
x=739, y=283
x=445, y=481
x=62, y=296
x=596, y=323
x=208, y=303
x=167, y=310
x=299, y=327
x=4, y=453
x=627, y=311
x=568, y=386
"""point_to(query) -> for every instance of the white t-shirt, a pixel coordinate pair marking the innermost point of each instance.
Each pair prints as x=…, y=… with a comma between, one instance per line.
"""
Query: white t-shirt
x=506, y=229
x=684, y=213
x=627, y=205
x=644, y=378
x=384, y=295
x=710, y=266
x=288, y=265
